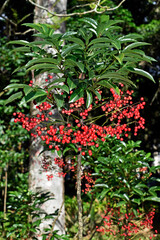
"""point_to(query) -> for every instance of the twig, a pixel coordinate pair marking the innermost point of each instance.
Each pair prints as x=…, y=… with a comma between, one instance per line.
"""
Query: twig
x=155, y=95
x=114, y=8
x=79, y=13
x=23, y=33
x=10, y=21
x=3, y=6
x=5, y=190
x=79, y=199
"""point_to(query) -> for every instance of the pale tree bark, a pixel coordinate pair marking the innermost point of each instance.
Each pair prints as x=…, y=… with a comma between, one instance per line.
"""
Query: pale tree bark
x=38, y=180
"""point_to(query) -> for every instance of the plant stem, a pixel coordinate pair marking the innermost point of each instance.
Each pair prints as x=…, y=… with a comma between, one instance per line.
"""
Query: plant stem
x=79, y=199
x=5, y=190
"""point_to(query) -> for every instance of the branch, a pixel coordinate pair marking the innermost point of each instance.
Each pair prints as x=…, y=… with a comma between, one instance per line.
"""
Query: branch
x=5, y=190
x=24, y=33
x=97, y=4
x=155, y=95
x=114, y=8
x=10, y=21
x=79, y=199
x=3, y=6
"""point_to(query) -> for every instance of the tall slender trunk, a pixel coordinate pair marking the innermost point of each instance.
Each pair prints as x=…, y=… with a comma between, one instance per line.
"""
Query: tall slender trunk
x=38, y=181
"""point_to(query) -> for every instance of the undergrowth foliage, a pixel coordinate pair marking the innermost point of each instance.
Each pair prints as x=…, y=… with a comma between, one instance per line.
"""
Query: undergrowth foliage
x=88, y=79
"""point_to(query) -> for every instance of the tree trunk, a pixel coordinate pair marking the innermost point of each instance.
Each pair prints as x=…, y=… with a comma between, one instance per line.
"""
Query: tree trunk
x=38, y=180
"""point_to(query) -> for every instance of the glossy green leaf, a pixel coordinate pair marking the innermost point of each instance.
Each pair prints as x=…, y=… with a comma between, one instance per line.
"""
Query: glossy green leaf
x=42, y=60
x=57, y=80
x=71, y=83
x=21, y=49
x=89, y=99
x=69, y=34
x=76, y=95
x=59, y=100
x=15, y=86
x=109, y=85
x=90, y=21
x=100, y=40
x=120, y=58
x=69, y=49
x=101, y=185
x=70, y=147
x=143, y=73
x=13, y=97
x=63, y=87
x=136, y=44
x=121, y=203
x=20, y=42
x=27, y=89
x=136, y=200
x=152, y=198
x=35, y=94
x=77, y=41
x=138, y=191
x=43, y=66
x=98, y=95
x=116, y=44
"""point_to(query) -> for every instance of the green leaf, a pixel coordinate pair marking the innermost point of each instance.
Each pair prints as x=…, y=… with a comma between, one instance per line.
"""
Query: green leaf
x=33, y=25
x=78, y=41
x=35, y=94
x=138, y=191
x=20, y=42
x=69, y=49
x=154, y=188
x=122, y=79
x=90, y=21
x=69, y=147
x=76, y=95
x=89, y=99
x=71, y=83
x=121, y=203
x=101, y=185
x=57, y=80
x=100, y=40
x=13, y=97
x=120, y=58
x=68, y=34
x=109, y=85
x=21, y=49
x=42, y=60
x=99, y=45
x=63, y=87
x=143, y=73
x=152, y=198
x=81, y=66
x=59, y=100
x=141, y=185
x=43, y=66
x=15, y=85
x=98, y=95
x=112, y=75
x=116, y=44
x=27, y=89
x=71, y=62
x=136, y=44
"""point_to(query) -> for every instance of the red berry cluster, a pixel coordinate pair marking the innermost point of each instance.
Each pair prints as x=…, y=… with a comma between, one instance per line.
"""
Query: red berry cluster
x=80, y=128
x=126, y=225
x=77, y=107
x=120, y=109
x=89, y=182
